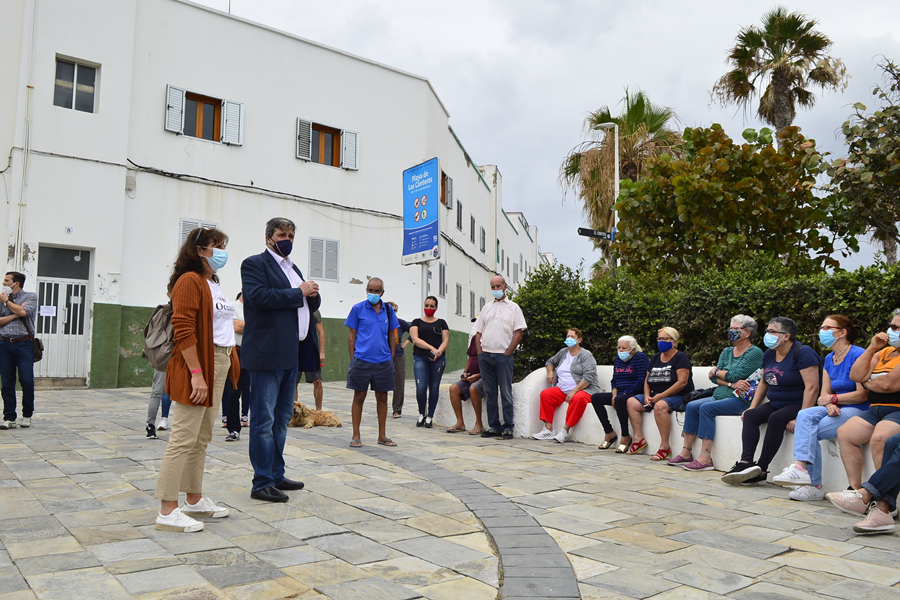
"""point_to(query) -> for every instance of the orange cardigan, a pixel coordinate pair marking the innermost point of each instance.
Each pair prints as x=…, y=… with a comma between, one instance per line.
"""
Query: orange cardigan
x=192, y=321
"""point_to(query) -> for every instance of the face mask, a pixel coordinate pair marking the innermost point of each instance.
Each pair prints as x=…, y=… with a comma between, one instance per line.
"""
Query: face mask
x=218, y=259
x=770, y=340
x=826, y=337
x=497, y=294
x=894, y=338
x=664, y=346
x=283, y=247
x=429, y=312
x=624, y=356
x=6, y=290
x=571, y=342
x=734, y=335
x=374, y=298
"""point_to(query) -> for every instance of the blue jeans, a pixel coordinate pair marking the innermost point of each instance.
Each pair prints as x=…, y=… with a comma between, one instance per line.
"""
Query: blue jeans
x=700, y=415
x=497, y=371
x=884, y=484
x=428, y=382
x=814, y=424
x=17, y=356
x=272, y=406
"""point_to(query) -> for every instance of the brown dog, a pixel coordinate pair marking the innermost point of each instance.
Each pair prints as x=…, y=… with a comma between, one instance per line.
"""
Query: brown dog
x=304, y=417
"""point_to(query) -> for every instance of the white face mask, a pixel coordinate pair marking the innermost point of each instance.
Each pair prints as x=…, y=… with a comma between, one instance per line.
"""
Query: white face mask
x=6, y=290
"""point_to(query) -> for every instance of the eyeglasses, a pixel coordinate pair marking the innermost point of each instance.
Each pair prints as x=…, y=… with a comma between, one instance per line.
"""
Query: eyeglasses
x=774, y=332
x=829, y=328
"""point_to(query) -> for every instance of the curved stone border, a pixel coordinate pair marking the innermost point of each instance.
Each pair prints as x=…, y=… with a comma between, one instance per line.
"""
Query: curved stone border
x=532, y=563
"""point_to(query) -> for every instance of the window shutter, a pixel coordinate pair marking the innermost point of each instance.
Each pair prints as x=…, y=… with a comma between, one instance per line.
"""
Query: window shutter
x=304, y=139
x=449, y=193
x=471, y=304
x=332, y=248
x=459, y=299
x=188, y=225
x=483, y=239
x=481, y=304
x=516, y=272
x=232, y=123
x=442, y=280
x=459, y=216
x=472, y=228
x=174, y=109
x=350, y=150
x=316, y=258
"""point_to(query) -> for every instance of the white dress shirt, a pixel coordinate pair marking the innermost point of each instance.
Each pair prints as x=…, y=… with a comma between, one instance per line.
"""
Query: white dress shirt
x=287, y=265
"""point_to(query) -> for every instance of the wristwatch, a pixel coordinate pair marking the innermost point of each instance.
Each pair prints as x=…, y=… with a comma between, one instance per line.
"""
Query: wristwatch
x=834, y=399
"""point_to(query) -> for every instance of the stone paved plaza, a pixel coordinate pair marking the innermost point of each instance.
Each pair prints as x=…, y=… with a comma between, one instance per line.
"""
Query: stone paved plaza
x=442, y=516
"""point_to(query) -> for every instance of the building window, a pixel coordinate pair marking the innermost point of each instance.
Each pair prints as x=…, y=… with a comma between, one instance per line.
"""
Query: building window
x=446, y=190
x=516, y=272
x=472, y=228
x=204, y=117
x=471, y=305
x=459, y=216
x=521, y=262
x=483, y=241
x=507, y=266
x=327, y=145
x=502, y=258
x=481, y=304
x=75, y=86
x=324, y=258
x=188, y=225
x=459, y=304
x=442, y=280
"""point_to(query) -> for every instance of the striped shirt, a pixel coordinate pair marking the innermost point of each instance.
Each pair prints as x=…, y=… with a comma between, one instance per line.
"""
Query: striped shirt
x=16, y=328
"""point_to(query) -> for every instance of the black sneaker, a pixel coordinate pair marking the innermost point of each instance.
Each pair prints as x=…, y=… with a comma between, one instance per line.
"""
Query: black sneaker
x=420, y=421
x=741, y=472
x=233, y=437
x=151, y=432
x=758, y=480
x=487, y=433
x=507, y=434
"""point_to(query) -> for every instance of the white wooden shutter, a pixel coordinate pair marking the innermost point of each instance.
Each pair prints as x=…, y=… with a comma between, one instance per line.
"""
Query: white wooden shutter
x=442, y=280
x=316, y=258
x=174, y=109
x=350, y=150
x=459, y=216
x=188, y=225
x=449, y=193
x=232, y=123
x=304, y=139
x=332, y=255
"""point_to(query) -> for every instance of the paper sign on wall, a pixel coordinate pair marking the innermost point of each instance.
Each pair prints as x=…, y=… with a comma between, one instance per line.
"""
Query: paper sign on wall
x=47, y=311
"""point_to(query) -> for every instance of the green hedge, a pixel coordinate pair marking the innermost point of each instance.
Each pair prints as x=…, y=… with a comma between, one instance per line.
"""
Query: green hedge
x=698, y=306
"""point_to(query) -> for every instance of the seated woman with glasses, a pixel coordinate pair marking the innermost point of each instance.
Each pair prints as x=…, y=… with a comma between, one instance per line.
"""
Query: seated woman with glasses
x=668, y=379
x=791, y=382
x=877, y=424
x=841, y=399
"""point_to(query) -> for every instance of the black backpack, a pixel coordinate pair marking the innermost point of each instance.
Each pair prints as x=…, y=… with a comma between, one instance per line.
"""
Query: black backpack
x=159, y=337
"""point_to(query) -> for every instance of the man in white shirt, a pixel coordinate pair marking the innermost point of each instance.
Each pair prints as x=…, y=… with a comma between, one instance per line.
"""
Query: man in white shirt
x=498, y=332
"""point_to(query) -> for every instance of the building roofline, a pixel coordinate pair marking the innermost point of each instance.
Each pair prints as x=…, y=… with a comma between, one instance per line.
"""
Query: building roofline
x=469, y=158
x=319, y=45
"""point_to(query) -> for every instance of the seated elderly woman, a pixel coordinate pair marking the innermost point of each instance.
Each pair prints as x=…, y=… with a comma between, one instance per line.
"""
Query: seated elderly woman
x=791, y=382
x=668, y=379
x=735, y=365
x=841, y=398
x=574, y=371
x=629, y=372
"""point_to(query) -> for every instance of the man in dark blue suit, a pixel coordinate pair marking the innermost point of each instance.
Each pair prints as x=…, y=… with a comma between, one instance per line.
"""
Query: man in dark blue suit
x=279, y=337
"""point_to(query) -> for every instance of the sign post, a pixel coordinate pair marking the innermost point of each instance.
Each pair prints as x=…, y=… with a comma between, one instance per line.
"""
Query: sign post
x=421, y=227
x=594, y=233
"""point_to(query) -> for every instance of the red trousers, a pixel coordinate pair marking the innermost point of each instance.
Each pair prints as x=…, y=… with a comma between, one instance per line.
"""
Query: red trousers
x=551, y=398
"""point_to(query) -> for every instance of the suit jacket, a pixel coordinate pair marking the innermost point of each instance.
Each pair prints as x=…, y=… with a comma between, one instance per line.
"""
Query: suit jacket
x=271, y=340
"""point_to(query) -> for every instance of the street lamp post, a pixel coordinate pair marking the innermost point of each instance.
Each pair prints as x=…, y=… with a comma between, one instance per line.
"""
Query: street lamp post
x=615, y=128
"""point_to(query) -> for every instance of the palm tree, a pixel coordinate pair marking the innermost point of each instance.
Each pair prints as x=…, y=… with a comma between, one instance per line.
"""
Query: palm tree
x=779, y=62
x=588, y=170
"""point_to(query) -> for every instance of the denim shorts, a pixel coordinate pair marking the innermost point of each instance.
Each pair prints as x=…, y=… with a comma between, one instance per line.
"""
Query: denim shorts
x=361, y=375
x=674, y=402
x=881, y=412
x=311, y=376
x=466, y=387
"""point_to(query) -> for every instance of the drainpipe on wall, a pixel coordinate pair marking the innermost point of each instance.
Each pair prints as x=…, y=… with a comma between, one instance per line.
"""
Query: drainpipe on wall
x=26, y=146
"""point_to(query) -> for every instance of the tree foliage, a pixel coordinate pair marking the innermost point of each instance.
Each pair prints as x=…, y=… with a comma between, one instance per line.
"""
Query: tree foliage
x=723, y=200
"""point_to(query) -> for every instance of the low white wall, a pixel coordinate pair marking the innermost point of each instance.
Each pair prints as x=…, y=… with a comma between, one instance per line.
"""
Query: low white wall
x=726, y=447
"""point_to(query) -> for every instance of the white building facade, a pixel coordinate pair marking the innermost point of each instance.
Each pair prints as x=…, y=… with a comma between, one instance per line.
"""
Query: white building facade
x=123, y=133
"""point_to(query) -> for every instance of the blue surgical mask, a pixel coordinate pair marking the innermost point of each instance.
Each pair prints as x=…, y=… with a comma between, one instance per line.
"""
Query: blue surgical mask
x=497, y=294
x=218, y=259
x=771, y=340
x=624, y=356
x=893, y=338
x=283, y=247
x=734, y=335
x=373, y=298
x=571, y=342
x=664, y=346
x=826, y=337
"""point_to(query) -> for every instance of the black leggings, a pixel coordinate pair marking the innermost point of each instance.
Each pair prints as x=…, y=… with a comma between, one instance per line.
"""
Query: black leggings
x=602, y=400
x=776, y=419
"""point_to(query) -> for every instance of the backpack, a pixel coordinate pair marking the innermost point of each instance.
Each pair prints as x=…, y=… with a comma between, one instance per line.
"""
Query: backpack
x=159, y=337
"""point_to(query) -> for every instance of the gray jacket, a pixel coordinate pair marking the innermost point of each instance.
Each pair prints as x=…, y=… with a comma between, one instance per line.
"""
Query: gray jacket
x=584, y=367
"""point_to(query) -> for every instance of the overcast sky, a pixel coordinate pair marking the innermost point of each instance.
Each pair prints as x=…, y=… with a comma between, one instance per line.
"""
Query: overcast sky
x=519, y=76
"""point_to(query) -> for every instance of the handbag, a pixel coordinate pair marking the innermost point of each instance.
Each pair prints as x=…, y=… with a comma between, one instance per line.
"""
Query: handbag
x=35, y=342
x=695, y=395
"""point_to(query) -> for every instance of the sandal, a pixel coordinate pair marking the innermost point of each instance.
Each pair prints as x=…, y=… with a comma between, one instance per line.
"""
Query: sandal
x=608, y=443
x=662, y=454
x=623, y=447
x=387, y=442
x=396, y=414
x=637, y=446
x=355, y=444
x=455, y=429
x=476, y=431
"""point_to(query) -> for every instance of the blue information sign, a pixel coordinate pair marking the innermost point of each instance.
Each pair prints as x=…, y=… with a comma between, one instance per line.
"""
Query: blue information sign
x=421, y=199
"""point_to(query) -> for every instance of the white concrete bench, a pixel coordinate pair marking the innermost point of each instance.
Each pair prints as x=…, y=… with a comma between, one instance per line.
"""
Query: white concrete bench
x=726, y=446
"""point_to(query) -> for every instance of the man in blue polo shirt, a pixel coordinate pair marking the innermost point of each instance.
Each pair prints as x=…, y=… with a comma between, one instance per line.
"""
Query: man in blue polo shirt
x=372, y=338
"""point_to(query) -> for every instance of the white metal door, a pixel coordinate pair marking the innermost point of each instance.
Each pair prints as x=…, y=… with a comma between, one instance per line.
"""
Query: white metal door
x=60, y=324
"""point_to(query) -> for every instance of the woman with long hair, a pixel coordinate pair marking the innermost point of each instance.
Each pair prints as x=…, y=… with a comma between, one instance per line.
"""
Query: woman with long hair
x=431, y=337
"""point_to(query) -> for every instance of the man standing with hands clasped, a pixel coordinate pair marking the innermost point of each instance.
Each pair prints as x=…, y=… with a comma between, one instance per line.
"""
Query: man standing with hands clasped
x=17, y=312
x=279, y=337
x=498, y=332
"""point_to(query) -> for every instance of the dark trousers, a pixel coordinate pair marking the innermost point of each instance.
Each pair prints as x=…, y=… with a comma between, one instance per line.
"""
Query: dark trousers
x=232, y=397
x=602, y=400
x=496, y=376
x=884, y=484
x=776, y=419
x=399, y=382
x=17, y=357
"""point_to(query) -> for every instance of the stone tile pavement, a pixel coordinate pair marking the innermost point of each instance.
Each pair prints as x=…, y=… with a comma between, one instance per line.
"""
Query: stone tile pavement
x=442, y=516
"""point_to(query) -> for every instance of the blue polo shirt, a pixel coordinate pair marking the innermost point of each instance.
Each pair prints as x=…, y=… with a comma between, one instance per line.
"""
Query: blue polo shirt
x=371, y=331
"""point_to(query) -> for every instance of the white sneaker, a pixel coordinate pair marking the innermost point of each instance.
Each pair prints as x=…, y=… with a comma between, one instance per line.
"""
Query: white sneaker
x=807, y=493
x=205, y=508
x=25, y=422
x=562, y=437
x=7, y=424
x=792, y=476
x=543, y=434
x=177, y=521
x=163, y=424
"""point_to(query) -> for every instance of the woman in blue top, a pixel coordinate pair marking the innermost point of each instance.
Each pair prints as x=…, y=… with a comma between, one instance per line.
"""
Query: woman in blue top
x=791, y=382
x=841, y=398
x=629, y=372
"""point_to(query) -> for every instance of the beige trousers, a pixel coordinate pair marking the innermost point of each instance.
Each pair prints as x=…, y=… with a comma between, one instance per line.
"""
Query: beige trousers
x=192, y=427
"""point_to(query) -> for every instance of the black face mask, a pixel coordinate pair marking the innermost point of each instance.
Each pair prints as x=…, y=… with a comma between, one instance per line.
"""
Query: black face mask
x=283, y=247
